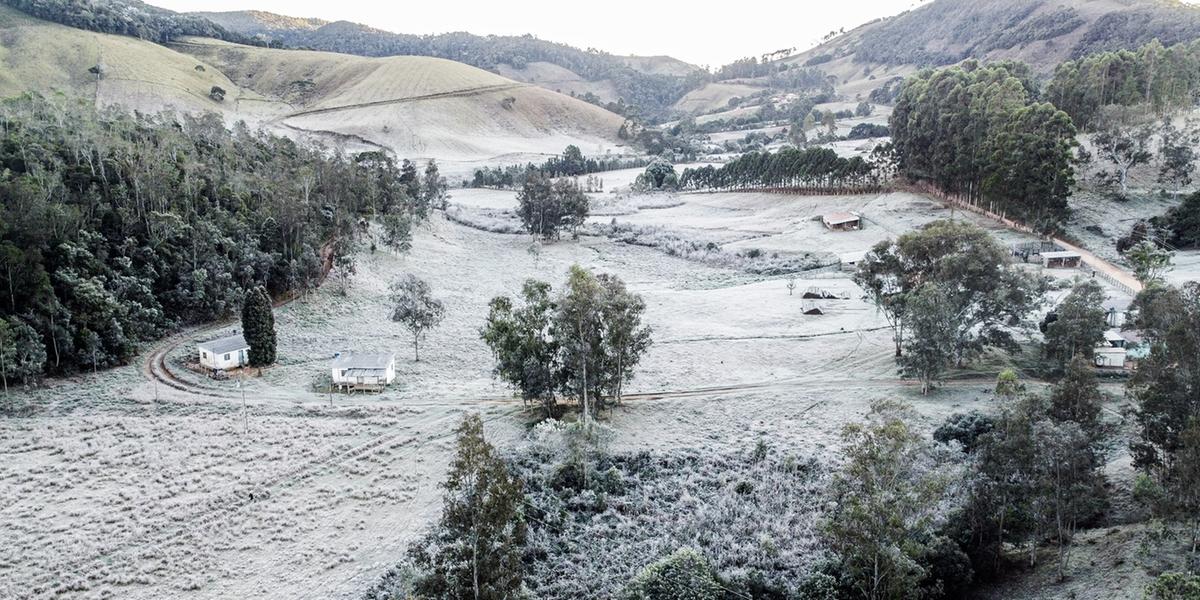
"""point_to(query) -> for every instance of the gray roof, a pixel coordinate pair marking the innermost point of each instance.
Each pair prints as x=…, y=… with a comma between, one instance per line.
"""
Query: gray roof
x=225, y=344
x=363, y=360
x=1061, y=254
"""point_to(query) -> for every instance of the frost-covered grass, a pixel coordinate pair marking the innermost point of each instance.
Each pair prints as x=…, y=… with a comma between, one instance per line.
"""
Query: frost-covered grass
x=751, y=260
x=595, y=520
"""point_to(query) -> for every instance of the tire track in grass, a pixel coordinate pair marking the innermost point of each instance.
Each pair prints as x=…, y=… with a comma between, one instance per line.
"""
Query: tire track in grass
x=223, y=507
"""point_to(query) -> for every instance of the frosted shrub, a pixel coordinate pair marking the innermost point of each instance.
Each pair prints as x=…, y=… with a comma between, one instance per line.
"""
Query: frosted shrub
x=597, y=518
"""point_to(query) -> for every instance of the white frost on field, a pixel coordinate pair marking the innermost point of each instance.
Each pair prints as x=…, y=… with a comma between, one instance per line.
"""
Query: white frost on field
x=106, y=492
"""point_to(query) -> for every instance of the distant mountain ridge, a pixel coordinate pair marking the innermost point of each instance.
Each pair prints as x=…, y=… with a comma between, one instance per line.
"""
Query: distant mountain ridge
x=1041, y=33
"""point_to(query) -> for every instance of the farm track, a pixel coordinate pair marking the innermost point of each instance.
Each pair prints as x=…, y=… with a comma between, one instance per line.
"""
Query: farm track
x=476, y=91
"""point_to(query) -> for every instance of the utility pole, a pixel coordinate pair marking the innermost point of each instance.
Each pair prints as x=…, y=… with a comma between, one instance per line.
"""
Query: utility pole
x=245, y=419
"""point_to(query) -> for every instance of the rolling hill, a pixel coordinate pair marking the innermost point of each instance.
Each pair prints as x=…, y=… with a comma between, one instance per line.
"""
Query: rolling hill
x=420, y=107
x=1042, y=33
x=651, y=83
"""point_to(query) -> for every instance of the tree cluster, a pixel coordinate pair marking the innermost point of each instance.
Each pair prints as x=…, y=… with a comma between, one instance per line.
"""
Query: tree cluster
x=582, y=343
x=1158, y=77
x=571, y=163
x=134, y=19
x=976, y=131
x=546, y=207
x=789, y=167
x=117, y=228
x=949, y=291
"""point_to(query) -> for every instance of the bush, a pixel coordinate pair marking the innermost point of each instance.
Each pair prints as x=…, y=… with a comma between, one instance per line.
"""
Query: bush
x=684, y=575
x=964, y=428
x=1174, y=586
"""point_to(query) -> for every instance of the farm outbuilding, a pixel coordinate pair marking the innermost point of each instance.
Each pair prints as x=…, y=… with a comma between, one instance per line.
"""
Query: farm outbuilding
x=363, y=370
x=225, y=353
x=842, y=221
x=850, y=260
x=1061, y=259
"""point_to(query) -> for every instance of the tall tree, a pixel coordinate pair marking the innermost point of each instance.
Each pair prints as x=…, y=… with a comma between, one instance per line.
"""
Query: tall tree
x=888, y=499
x=414, y=307
x=258, y=326
x=929, y=349
x=1079, y=324
x=527, y=354
x=475, y=551
x=433, y=185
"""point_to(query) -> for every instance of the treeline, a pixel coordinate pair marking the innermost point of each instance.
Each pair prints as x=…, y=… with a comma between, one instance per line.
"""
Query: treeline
x=789, y=167
x=118, y=228
x=571, y=163
x=132, y=19
x=977, y=131
x=1159, y=77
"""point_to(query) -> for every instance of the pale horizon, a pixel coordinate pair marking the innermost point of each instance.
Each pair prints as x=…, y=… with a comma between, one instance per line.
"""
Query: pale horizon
x=700, y=36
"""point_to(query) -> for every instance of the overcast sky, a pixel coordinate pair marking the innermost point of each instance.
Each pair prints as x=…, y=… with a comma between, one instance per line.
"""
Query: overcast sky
x=703, y=33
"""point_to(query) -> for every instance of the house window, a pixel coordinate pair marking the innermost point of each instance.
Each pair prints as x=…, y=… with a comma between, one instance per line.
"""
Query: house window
x=226, y=357
x=203, y=354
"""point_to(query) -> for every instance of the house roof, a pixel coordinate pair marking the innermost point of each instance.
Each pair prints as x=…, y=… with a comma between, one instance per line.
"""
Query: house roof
x=853, y=257
x=363, y=360
x=1061, y=254
x=837, y=218
x=225, y=344
x=1113, y=335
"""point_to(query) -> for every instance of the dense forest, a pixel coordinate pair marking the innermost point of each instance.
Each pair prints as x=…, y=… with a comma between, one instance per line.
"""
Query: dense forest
x=1163, y=78
x=789, y=167
x=977, y=131
x=130, y=18
x=116, y=228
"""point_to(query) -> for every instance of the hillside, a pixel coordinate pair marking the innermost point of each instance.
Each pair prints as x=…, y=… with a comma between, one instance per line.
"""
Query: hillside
x=1042, y=33
x=651, y=83
x=419, y=107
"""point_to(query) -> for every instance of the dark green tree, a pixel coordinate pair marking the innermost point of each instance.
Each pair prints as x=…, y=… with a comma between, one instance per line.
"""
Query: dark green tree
x=527, y=355
x=258, y=326
x=1079, y=324
x=475, y=551
x=684, y=575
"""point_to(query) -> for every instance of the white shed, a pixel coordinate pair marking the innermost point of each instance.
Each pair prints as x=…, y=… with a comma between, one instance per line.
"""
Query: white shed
x=1110, y=357
x=224, y=353
x=363, y=370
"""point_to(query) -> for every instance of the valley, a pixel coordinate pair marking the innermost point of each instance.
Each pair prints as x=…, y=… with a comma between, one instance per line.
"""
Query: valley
x=297, y=307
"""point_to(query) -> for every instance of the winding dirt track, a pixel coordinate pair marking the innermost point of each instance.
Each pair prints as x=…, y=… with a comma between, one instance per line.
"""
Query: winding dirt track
x=475, y=91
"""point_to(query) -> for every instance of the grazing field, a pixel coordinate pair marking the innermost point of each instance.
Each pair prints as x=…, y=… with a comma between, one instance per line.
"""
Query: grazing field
x=418, y=107
x=151, y=480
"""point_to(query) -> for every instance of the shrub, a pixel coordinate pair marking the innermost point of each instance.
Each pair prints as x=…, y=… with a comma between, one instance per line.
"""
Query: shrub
x=684, y=575
x=964, y=428
x=1174, y=586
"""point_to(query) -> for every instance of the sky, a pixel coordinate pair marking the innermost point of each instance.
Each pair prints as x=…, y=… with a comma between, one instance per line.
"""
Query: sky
x=702, y=33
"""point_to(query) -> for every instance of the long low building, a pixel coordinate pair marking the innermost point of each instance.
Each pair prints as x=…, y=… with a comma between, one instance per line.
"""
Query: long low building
x=363, y=370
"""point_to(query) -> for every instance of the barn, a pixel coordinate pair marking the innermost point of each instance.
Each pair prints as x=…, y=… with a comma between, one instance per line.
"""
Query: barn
x=363, y=370
x=225, y=353
x=842, y=221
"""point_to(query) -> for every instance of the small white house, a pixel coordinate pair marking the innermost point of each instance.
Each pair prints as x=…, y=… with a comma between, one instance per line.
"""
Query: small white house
x=363, y=370
x=224, y=353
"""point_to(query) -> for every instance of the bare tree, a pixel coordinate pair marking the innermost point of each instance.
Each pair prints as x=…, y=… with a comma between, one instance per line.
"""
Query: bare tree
x=414, y=306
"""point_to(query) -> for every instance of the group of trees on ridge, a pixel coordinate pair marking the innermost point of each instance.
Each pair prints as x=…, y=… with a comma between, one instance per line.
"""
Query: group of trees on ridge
x=134, y=19
x=1162, y=78
x=118, y=228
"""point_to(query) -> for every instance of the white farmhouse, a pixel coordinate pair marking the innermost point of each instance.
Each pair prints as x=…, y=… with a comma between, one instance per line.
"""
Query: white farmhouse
x=224, y=353
x=363, y=370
